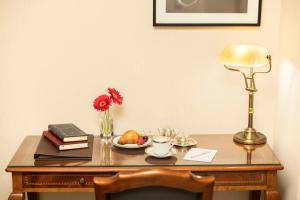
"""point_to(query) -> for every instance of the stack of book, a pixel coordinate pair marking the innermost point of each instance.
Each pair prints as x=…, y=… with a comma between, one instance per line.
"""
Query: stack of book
x=66, y=136
x=61, y=137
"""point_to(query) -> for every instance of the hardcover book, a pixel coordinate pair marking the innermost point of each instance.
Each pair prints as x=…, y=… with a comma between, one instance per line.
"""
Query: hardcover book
x=67, y=132
x=47, y=151
x=64, y=145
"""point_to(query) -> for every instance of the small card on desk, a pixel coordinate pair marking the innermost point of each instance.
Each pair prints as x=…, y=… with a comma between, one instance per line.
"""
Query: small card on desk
x=200, y=155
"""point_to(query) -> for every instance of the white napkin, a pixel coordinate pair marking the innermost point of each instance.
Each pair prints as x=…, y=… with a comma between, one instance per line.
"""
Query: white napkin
x=200, y=155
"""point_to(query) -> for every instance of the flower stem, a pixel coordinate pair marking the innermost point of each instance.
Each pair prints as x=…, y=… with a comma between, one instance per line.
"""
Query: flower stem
x=106, y=123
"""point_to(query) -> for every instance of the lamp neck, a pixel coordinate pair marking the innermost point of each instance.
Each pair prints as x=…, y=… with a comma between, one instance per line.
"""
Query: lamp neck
x=250, y=110
x=251, y=88
x=250, y=82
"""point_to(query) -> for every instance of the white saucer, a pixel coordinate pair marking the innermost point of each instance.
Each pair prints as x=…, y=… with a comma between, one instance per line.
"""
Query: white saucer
x=149, y=152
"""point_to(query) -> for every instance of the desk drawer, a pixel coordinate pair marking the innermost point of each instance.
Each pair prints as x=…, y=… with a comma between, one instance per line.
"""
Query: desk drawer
x=245, y=178
x=85, y=180
x=66, y=180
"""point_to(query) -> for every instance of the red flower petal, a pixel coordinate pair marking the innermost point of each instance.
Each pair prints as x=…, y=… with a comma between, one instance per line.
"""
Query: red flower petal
x=115, y=95
x=102, y=103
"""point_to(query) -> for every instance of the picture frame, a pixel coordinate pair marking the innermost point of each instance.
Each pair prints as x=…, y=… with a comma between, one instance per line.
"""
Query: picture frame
x=207, y=12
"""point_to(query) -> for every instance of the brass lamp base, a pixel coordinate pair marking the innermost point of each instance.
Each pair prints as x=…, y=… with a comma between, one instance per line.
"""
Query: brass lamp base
x=250, y=137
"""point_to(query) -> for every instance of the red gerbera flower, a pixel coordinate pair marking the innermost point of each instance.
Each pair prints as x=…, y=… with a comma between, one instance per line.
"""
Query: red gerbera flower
x=102, y=103
x=115, y=95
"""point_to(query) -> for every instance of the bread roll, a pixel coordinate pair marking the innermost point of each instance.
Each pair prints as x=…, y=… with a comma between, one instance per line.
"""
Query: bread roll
x=129, y=137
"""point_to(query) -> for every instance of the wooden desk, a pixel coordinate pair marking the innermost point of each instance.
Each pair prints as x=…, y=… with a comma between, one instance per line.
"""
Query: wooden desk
x=235, y=167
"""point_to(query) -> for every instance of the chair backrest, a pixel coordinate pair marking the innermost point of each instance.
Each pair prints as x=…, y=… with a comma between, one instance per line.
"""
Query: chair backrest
x=180, y=180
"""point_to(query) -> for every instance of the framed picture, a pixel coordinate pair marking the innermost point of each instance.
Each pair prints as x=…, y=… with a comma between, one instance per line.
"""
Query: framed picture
x=206, y=12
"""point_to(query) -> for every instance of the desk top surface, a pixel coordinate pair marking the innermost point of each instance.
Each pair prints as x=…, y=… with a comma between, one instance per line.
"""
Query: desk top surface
x=229, y=155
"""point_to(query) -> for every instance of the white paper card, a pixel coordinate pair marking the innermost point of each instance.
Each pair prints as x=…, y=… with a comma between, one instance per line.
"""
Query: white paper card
x=200, y=155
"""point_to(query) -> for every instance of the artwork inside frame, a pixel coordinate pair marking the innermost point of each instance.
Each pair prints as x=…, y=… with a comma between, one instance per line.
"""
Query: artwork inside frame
x=206, y=12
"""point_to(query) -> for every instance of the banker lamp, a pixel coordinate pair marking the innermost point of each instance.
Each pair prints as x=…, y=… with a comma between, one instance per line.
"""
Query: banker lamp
x=248, y=60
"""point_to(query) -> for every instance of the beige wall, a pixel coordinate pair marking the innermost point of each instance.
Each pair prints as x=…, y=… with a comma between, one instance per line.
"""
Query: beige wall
x=56, y=56
x=287, y=137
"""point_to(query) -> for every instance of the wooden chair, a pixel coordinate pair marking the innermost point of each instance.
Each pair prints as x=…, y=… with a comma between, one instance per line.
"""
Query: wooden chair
x=183, y=181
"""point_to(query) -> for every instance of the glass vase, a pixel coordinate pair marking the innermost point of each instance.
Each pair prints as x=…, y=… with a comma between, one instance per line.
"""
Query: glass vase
x=106, y=128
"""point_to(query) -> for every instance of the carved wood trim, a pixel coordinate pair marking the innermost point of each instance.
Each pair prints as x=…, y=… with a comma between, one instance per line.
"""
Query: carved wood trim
x=237, y=178
x=60, y=180
x=68, y=180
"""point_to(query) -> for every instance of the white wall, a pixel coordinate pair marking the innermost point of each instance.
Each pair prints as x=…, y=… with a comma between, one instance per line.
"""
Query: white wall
x=56, y=56
x=286, y=139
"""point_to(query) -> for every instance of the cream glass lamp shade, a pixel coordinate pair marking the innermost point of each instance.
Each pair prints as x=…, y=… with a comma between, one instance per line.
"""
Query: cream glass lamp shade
x=249, y=56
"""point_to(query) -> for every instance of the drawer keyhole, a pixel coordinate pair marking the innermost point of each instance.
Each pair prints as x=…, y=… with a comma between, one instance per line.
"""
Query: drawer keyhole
x=82, y=181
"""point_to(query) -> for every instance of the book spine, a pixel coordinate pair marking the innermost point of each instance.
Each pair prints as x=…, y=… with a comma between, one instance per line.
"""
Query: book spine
x=57, y=131
x=51, y=139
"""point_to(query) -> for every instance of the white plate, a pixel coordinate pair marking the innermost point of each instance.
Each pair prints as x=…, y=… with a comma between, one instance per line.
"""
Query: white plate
x=129, y=146
x=149, y=152
x=189, y=142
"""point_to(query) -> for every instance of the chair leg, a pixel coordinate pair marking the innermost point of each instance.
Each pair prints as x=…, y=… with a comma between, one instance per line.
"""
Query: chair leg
x=206, y=196
x=255, y=195
x=32, y=196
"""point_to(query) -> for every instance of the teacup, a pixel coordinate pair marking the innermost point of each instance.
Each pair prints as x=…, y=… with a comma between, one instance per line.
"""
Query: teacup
x=171, y=133
x=182, y=138
x=161, y=145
